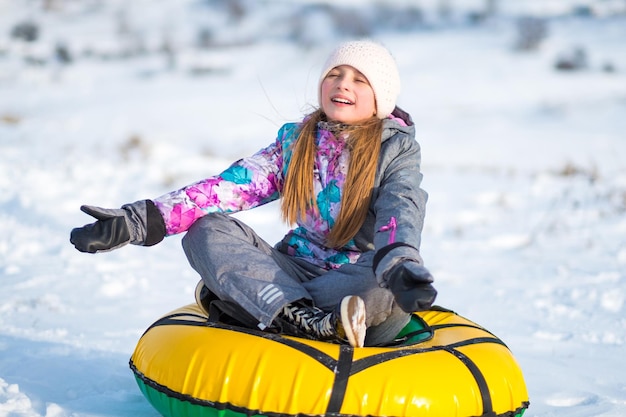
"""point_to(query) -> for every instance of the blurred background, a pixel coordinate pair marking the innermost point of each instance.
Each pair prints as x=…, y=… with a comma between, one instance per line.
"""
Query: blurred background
x=63, y=32
x=519, y=107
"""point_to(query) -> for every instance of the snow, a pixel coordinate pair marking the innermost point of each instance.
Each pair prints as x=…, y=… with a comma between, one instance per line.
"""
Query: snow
x=525, y=167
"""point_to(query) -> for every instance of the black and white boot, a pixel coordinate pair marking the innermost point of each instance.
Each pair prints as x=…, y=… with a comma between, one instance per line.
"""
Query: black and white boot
x=345, y=323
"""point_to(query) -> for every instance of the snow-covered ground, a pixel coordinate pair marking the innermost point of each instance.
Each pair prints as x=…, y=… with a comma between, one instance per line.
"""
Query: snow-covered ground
x=525, y=166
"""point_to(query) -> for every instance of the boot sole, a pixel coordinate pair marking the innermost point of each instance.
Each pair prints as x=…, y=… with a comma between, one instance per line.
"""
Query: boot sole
x=198, y=294
x=353, y=320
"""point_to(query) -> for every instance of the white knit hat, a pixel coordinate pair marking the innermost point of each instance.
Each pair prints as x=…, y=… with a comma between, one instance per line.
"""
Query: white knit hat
x=376, y=63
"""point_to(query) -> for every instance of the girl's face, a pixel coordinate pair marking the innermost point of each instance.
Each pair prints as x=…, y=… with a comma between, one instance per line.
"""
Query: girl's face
x=347, y=96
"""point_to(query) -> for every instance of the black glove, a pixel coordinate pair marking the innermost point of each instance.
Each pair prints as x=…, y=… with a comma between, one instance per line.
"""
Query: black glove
x=139, y=223
x=411, y=286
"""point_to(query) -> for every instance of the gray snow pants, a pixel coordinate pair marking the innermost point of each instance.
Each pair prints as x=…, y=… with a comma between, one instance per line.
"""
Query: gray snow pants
x=238, y=266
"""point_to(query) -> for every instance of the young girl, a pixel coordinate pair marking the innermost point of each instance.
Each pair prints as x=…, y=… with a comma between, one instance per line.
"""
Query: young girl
x=349, y=178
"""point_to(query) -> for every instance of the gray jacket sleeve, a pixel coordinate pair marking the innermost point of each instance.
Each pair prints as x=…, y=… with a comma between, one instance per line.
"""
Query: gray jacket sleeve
x=399, y=205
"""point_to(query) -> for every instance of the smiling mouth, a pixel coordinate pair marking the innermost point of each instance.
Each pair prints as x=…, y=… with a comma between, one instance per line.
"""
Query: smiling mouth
x=341, y=100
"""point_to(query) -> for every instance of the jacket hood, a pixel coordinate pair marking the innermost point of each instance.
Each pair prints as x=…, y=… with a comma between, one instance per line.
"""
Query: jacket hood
x=398, y=121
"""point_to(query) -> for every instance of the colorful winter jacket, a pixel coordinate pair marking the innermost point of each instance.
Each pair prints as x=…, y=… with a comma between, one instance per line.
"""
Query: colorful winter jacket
x=396, y=212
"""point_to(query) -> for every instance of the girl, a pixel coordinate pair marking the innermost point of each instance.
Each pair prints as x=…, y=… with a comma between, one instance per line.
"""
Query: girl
x=348, y=176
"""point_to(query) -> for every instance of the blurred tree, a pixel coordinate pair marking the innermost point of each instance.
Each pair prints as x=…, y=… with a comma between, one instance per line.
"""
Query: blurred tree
x=573, y=60
x=491, y=7
x=531, y=31
x=49, y=5
x=444, y=9
x=27, y=31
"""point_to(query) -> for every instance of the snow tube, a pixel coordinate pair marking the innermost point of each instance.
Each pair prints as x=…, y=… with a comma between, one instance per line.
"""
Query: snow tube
x=441, y=365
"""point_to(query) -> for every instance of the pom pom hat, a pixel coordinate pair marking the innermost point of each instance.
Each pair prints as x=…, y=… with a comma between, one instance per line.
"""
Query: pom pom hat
x=375, y=62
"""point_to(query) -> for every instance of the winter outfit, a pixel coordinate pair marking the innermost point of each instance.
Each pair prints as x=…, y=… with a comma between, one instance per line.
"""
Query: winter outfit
x=381, y=265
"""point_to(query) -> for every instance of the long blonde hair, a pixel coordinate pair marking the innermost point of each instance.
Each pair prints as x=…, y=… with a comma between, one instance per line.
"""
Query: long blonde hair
x=364, y=141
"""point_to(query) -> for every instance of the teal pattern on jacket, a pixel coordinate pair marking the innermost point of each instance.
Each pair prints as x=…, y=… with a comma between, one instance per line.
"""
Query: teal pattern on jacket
x=257, y=180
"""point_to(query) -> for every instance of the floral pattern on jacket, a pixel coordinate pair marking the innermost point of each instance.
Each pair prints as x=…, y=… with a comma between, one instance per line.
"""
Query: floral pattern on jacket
x=258, y=179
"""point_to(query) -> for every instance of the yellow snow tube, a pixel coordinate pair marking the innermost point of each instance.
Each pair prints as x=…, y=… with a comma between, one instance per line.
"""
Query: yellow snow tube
x=441, y=365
